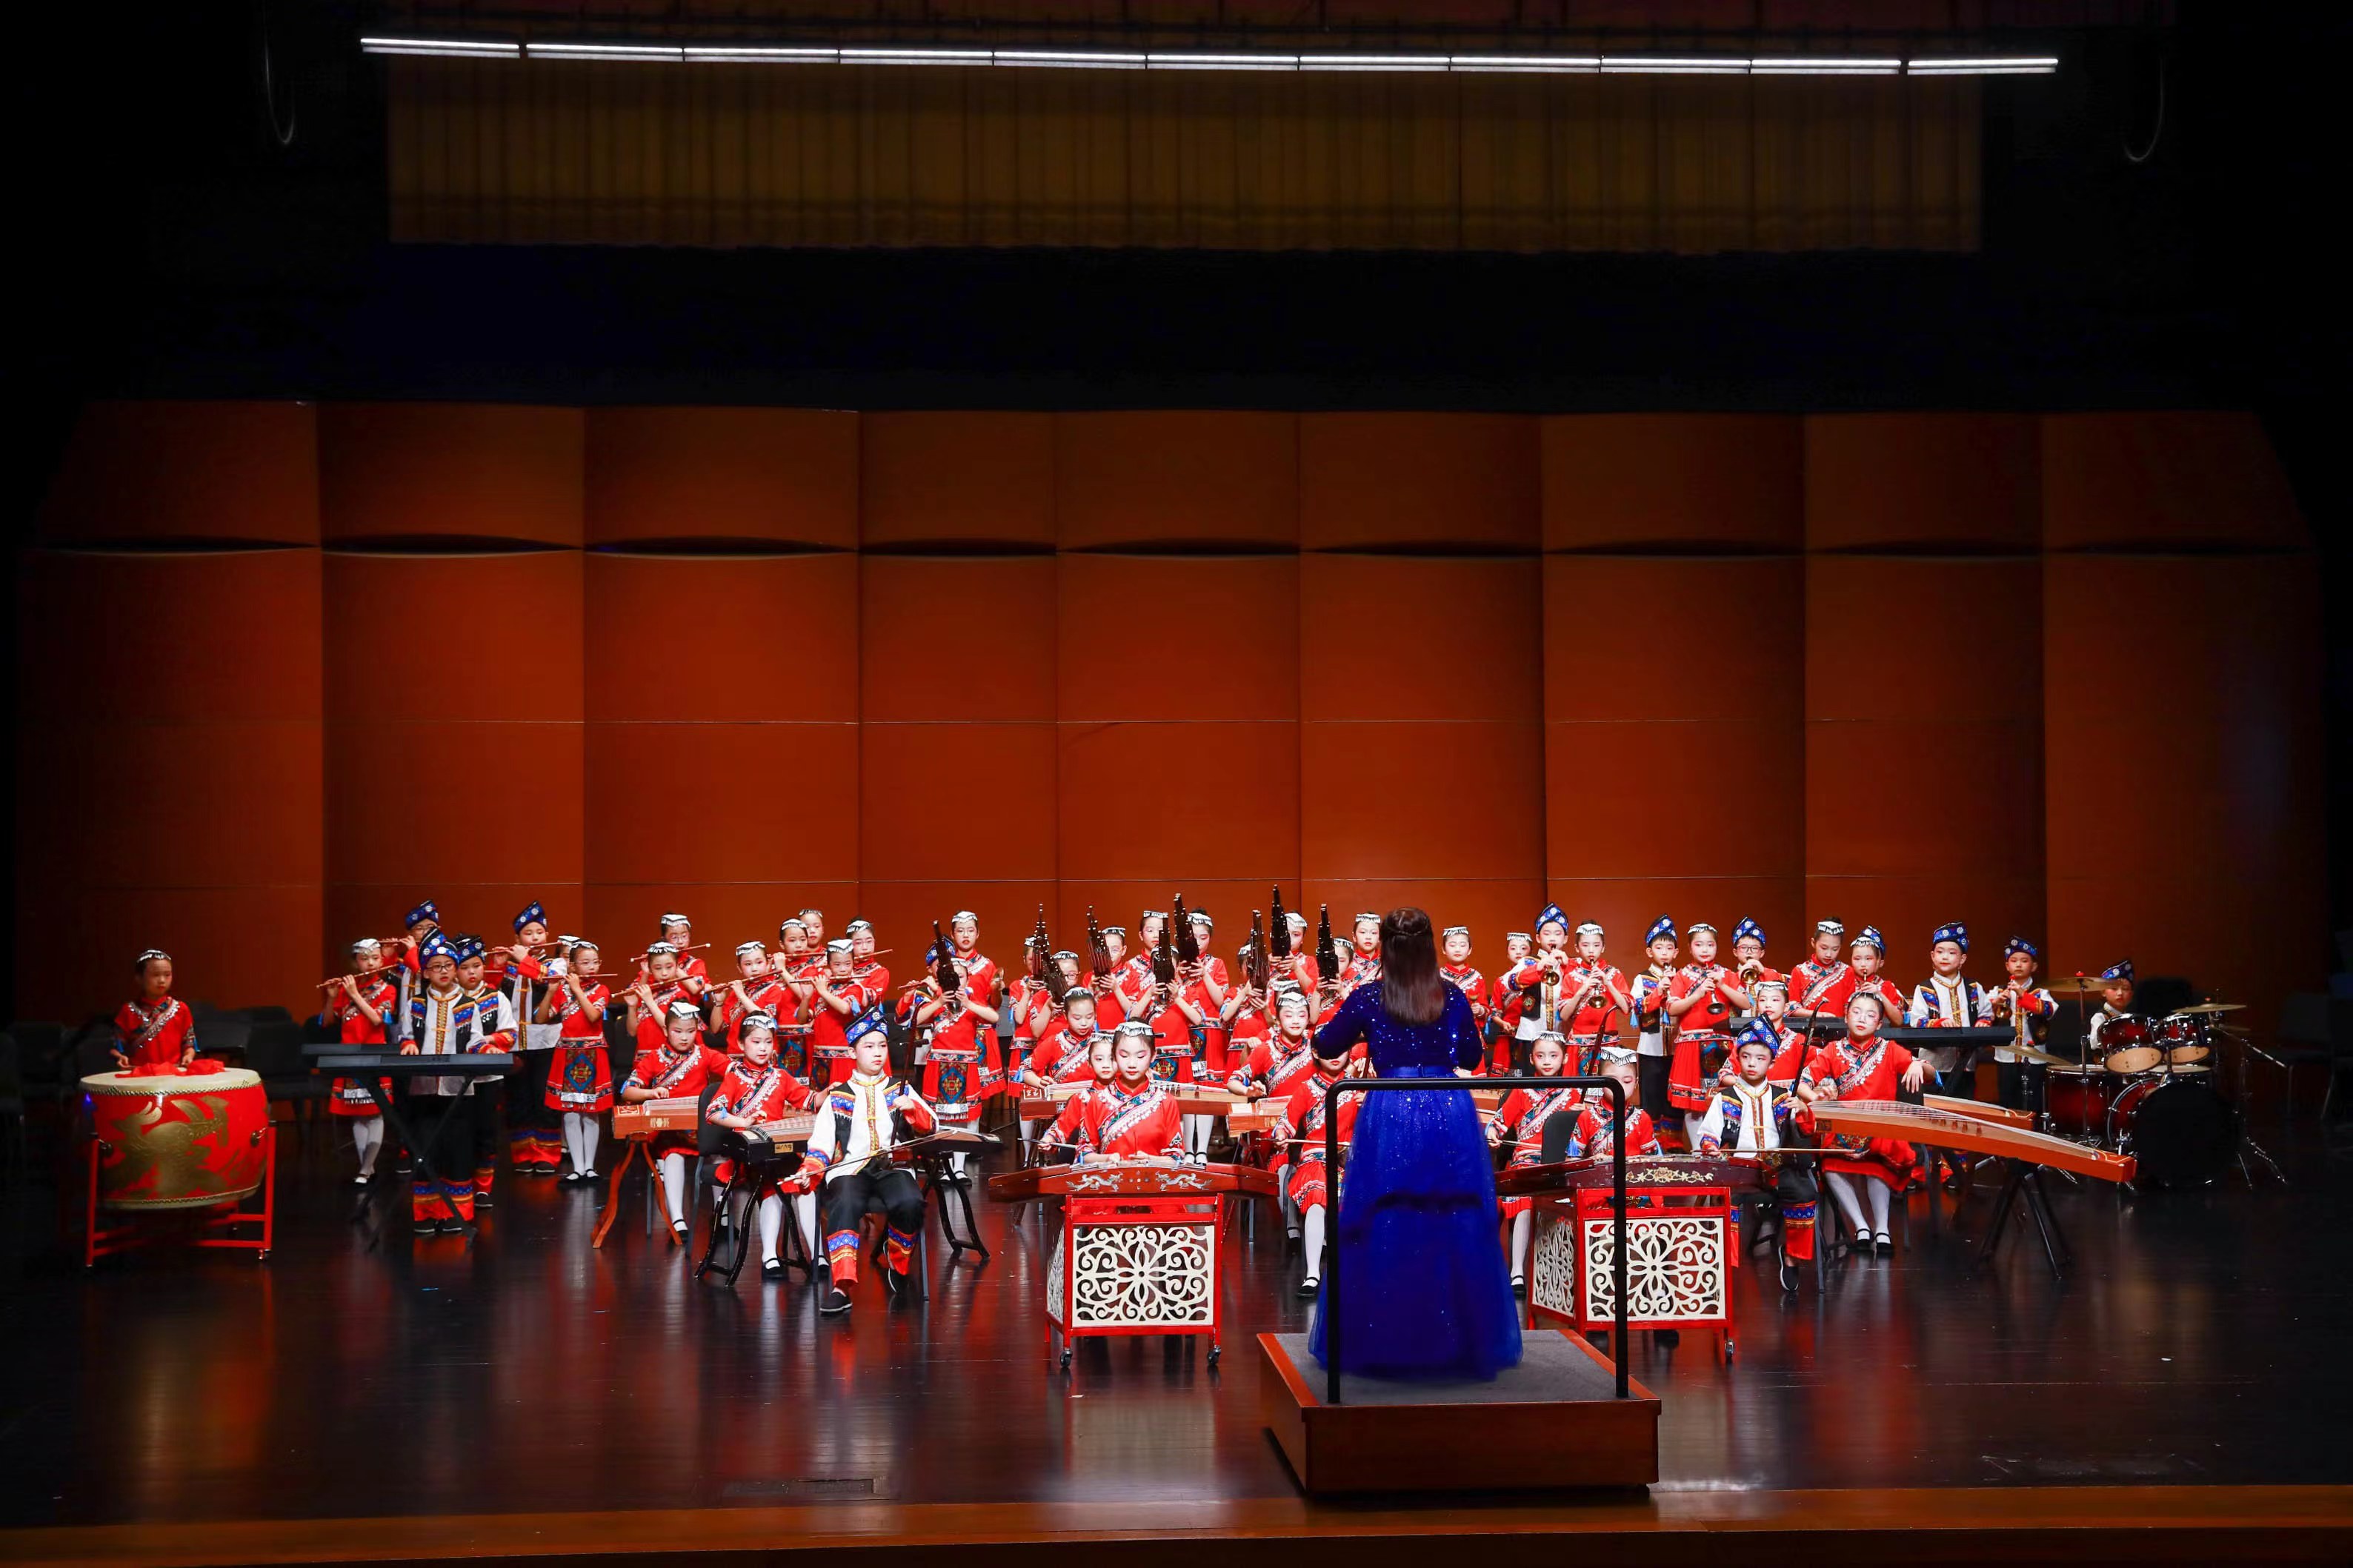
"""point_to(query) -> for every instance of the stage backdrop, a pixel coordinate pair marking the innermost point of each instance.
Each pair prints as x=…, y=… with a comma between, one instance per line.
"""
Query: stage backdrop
x=287, y=669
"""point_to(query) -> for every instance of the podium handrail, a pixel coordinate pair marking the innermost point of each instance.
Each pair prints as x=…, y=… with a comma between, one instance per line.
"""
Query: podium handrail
x=1331, y=1260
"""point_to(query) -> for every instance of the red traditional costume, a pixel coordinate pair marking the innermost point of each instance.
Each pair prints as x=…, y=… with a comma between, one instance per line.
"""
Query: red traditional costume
x=1700, y=1028
x=1114, y=1122
x=350, y=1097
x=757, y=1095
x=1596, y=1132
x=1524, y=1114
x=830, y=1059
x=581, y=1079
x=965, y=1066
x=676, y=1075
x=1301, y=1130
x=154, y=1035
x=1862, y=1069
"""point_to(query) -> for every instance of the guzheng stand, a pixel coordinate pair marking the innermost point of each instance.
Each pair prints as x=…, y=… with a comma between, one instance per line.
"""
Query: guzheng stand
x=1367, y=1434
x=655, y=1199
x=2023, y=1181
x=372, y=1070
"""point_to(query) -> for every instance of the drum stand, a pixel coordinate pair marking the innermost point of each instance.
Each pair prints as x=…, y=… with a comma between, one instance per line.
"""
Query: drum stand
x=2024, y=1181
x=2247, y=1145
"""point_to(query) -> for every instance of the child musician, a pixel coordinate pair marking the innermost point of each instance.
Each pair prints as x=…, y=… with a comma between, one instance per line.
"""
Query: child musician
x=754, y=989
x=1812, y=981
x=673, y=1064
x=2027, y=1009
x=1948, y=1000
x=679, y=931
x=1524, y=1114
x=859, y=1120
x=1594, y=994
x=796, y=968
x=1361, y=965
x=1772, y=998
x=1701, y=1000
x=1103, y=1061
x=1748, y=1120
x=1598, y=1124
x=2115, y=1002
x=1133, y=1118
x=649, y=997
x=1539, y=978
x=1274, y=1069
x=579, y=1079
x=1648, y=996
x=420, y=923
x=1866, y=958
x=455, y=1014
x=843, y=992
x=153, y=1031
x=1504, y=1001
x=1456, y=970
x=534, y=1138
x=757, y=1088
x=1861, y=1066
x=1748, y=954
x=1301, y=1130
x=964, y=1067
x=359, y=1008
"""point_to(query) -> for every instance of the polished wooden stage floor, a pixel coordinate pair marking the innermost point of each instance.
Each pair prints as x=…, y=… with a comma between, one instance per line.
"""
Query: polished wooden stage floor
x=530, y=1395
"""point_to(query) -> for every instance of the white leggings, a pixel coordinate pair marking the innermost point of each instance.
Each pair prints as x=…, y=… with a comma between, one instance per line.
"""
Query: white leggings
x=1313, y=1242
x=771, y=1225
x=580, y=1141
x=674, y=1176
x=1197, y=1135
x=1842, y=1187
x=367, y=1137
x=805, y=1211
x=1523, y=1226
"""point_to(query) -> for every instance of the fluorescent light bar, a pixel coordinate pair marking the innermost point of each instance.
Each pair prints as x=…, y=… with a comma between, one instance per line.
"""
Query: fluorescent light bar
x=914, y=56
x=461, y=49
x=1535, y=64
x=1222, y=62
x=2013, y=64
x=1372, y=62
x=1677, y=65
x=605, y=51
x=1069, y=59
x=1823, y=65
x=759, y=55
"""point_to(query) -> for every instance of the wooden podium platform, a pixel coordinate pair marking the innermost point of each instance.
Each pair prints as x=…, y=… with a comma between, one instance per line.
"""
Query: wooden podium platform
x=1551, y=1423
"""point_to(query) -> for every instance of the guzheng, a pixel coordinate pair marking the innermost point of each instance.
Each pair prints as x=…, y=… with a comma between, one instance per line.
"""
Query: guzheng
x=352, y=1063
x=1125, y=1179
x=1045, y=1104
x=777, y=1140
x=647, y=1117
x=1972, y=1133
x=948, y=1140
x=1979, y=1109
x=1970, y=1035
x=1641, y=1171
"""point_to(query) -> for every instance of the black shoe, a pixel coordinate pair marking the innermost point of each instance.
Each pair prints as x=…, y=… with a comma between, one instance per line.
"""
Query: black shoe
x=1885, y=1246
x=1520, y=1286
x=571, y=1176
x=481, y=1200
x=427, y=1227
x=1310, y=1286
x=1667, y=1337
x=772, y=1270
x=453, y=1227
x=835, y=1301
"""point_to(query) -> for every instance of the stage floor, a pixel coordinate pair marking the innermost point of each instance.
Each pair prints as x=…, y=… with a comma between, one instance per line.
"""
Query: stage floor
x=2197, y=1343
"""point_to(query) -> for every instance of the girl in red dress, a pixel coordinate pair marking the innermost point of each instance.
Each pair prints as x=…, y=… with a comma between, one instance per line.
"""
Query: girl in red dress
x=1133, y=1118
x=756, y=1089
x=1301, y=1130
x=1102, y=1060
x=580, y=1079
x=360, y=1006
x=1524, y=1114
x=1861, y=1066
x=677, y=1067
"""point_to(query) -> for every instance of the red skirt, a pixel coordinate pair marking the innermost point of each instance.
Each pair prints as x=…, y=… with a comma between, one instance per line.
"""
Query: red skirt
x=1685, y=1090
x=350, y=1098
x=579, y=1079
x=1307, y=1188
x=1888, y=1160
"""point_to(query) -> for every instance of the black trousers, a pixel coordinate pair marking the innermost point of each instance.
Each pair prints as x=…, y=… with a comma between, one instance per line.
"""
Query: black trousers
x=848, y=1200
x=1653, y=1073
x=2019, y=1085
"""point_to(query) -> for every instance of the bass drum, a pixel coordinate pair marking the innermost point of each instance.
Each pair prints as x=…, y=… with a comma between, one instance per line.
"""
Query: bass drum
x=2077, y=1101
x=2179, y=1131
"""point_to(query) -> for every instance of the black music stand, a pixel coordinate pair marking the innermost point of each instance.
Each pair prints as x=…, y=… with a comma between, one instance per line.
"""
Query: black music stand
x=421, y=1152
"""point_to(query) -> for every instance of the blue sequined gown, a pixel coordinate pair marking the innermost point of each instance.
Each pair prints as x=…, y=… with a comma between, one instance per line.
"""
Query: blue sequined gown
x=1421, y=1267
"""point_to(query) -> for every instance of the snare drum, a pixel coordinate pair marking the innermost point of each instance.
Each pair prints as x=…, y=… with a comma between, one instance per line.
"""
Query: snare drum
x=2186, y=1040
x=2180, y=1133
x=178, y=1140
x=2077, y=1101
x=2127, y=1046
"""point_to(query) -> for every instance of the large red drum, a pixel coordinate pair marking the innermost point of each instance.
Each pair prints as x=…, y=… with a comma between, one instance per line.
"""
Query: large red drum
x=2078, y=1099
x=178, y=1140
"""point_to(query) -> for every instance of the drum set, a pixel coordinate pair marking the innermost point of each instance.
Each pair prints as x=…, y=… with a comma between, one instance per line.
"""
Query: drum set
x=2147, y=1088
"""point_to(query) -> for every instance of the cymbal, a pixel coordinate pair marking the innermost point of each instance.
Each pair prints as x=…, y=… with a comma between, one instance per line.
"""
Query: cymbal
x=2072, y=982
x=2203, y=1007
x=2033, y=1053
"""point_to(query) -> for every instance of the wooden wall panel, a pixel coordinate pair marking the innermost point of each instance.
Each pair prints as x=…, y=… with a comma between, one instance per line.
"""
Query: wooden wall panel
x=1643, y=480
x=149, y=472
x=1924, y=746
x=786, y=474
x=1947, y=480
x=1429, y=480
x=927, y=479
x=167, y=773
x=1166, y=477
x=473, y=471
x=2164, y=479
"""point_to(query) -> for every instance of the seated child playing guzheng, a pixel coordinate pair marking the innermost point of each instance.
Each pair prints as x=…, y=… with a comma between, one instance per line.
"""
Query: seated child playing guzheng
x=1523, y=1114
x=580, y=1079
x=678, y=1067
x=1748, y=1120
x=1104, y=1062
x=1861, y=1066
x=1301, y=1130
x=859, y=1121
x=757, y=1090
x=358, y=1008
x=1133, y=1118
x=1599, y=1127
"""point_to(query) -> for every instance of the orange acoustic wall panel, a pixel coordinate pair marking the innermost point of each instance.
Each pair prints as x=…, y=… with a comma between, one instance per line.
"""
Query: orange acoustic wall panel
x=1440, y=480
x=787, y=475
x=931, y=479
x=2165, y=480
x=2185, y=803
x=1178, y=707
x=139, y=472
x=1968, y=481
x=453, y=737
x=1166, y=477
x=428, y=470
x=1421, y=740
x=1674, y=746
x=722, y=750
x=1924, y=748
x=168, y=786
x=1614, y=481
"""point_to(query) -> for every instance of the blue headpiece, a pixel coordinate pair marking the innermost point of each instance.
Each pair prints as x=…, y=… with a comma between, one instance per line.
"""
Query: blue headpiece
x=1871, y=934
x=2120, y=970
x=875, y=1020
x=1952, y=931
x=436, y=946
x=1552, y=915
x=428, y=910
x=1748, y=927
x=532, y=912
x=1759, y=1031
x=1664, y=926
x=2019, y=944
x=468, y=947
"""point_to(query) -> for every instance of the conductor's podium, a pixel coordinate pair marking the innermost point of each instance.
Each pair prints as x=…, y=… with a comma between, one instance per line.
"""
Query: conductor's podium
x=1680, y=1242
x=1138, y=1251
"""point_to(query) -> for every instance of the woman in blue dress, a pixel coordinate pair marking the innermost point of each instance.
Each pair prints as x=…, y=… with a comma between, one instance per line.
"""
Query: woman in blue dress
x=1423, y=1288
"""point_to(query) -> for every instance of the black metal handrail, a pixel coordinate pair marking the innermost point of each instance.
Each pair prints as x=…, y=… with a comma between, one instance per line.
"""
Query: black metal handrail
x=1339, y=1087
